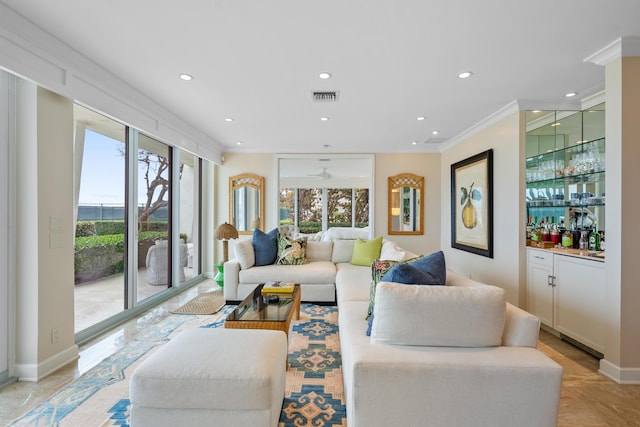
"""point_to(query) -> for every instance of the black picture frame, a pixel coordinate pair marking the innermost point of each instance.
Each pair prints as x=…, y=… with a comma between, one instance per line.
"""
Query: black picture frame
x=472, y=204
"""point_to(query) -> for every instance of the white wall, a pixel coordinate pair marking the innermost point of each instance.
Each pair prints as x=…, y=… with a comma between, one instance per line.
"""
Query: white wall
x=506, y=268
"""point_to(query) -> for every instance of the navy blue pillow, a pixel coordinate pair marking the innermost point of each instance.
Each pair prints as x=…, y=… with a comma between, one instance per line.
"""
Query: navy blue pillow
x=265, y=246
x=428, y=270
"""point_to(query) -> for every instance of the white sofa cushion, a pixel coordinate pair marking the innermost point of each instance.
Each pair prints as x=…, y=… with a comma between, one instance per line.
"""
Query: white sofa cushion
x=321, y=272
x=448, y=316
x=319, y=251
x=244, y=253
x=342, y=251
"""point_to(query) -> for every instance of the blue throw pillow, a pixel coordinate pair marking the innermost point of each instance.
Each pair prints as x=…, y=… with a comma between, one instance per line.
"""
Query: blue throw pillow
x=428, y=270
x=265, y=246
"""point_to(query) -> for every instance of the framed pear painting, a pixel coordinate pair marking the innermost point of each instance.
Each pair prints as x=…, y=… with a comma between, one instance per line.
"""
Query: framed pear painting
x=472, y=204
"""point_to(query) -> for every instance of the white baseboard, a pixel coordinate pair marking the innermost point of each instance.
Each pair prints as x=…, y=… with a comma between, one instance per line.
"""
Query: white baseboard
x=618, y=374
x=35, y=372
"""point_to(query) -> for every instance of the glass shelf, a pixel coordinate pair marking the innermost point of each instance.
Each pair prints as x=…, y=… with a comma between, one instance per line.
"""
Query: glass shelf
x=565, y=166
x=560, y=181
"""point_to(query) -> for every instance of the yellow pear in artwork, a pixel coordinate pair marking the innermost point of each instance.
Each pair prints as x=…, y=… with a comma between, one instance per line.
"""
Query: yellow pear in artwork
x=469, y=212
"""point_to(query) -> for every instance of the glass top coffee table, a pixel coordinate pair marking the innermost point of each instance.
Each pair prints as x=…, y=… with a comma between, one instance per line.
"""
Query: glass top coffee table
x=272, y=311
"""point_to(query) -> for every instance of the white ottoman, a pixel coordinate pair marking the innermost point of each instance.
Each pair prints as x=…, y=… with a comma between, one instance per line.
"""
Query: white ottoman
x=212, y=377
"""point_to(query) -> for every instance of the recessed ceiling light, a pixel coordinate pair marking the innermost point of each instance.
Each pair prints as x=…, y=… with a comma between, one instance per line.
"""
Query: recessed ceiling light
x=186, y=77
x=324, y=75
x=570, y=94
x=324, y=119
x=414, y=143
x=535, y=111
x=239, y=143
x=228, y=119
x=435, y=132
x=465, y=75
x=421, y=118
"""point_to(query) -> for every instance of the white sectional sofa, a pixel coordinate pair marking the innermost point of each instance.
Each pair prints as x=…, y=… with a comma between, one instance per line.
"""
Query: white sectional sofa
x=317, y=277
x=455, y=355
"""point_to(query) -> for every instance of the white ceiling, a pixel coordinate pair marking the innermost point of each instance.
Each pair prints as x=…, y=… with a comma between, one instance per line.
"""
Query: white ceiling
x=391, y=60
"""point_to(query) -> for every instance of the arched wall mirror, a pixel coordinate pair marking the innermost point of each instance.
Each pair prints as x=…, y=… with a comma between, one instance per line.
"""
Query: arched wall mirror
x=246, y=202
x=406, y=196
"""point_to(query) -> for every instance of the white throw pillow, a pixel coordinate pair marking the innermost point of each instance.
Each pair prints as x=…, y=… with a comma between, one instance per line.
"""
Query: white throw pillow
x=319, y=251
x=446, y=316
x=342, y=251
x=391, y=251
x=244, y=253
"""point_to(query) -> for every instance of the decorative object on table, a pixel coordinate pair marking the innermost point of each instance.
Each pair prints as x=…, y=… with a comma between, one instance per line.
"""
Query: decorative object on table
x=274, y=287
x=472, y=204
x=224, y=232
x=246, y=202
x=405, y=199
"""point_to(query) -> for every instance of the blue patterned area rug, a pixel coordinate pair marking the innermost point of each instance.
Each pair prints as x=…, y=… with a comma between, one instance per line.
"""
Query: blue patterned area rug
x=313, y=396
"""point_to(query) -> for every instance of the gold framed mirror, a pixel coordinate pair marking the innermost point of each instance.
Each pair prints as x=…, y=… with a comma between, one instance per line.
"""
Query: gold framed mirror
x=405, y=212
x=246, y=202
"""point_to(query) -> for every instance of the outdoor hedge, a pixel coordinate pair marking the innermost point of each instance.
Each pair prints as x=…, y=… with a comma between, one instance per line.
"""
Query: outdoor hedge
x=102, y=256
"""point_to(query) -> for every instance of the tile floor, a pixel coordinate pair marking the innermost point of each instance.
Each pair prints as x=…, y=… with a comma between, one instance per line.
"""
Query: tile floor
x=588, y=399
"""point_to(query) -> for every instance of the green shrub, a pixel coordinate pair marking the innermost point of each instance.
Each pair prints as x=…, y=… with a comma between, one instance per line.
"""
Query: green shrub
x=85, y=228
x=106, y=228
x=153, y=226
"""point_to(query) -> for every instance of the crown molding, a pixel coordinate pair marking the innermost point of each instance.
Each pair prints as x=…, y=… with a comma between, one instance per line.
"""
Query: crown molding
x=33, y=54
x=507, y=110
x=623, y=46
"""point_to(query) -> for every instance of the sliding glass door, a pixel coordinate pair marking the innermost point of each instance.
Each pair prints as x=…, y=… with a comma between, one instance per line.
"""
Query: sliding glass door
x=132, y=240
x=100, y=161
x=5, y=245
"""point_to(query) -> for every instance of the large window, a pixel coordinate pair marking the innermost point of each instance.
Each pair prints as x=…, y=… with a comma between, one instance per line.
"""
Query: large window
x=321, y=192
x=138, y=222
x=318, y=209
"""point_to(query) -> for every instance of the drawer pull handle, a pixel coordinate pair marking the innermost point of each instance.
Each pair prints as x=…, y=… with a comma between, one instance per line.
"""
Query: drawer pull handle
x=538, y=257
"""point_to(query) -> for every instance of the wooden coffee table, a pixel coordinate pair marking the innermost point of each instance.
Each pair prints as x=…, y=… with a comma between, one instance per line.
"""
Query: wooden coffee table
x=256, y=312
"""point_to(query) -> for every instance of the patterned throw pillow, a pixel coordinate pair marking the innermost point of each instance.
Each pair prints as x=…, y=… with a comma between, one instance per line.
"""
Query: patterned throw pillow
x=379, y=268
x=292, y=251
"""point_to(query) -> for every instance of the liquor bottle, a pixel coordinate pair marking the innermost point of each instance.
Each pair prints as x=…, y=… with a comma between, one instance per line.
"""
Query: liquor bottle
x=594, y=239
x=535, y=230
x=567, y=239
x=529, y=228
x=554, y=233
x=545, y=231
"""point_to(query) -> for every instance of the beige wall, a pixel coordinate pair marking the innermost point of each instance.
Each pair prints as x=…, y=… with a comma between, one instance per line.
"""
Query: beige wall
x=427, y=165
x=45, y=232
x=423, y=164
x=622, y=348
x=235, y=164
x=506, y=268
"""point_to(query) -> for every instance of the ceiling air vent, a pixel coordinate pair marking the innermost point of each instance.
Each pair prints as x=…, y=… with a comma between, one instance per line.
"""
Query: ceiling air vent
x=325, y=96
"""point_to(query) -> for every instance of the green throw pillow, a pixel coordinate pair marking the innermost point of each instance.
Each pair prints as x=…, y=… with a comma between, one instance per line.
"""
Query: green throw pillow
x=365, y=251
x=291, y=251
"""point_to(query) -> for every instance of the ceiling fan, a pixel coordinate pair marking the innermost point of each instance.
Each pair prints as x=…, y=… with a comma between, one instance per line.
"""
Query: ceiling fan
x=324, y=174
